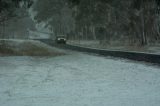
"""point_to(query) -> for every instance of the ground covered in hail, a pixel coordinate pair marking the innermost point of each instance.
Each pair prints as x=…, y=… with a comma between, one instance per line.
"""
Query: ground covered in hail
x=77, y=79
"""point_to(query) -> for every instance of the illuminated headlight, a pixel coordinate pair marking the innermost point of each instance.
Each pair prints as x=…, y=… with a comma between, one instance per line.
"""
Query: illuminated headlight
x=61, y=39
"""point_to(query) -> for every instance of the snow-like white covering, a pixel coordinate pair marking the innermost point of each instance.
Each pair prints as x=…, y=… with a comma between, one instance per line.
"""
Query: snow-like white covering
x=38, y=35
x=77, y=80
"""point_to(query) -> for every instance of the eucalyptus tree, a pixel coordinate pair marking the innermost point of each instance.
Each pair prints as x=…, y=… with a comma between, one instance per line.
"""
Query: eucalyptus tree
x=143, y=21
x=132, y=20
x=8, y=10
x=101, y=17
x=55, y=13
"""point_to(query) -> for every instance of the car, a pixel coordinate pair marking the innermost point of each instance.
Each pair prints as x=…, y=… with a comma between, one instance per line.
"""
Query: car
x=61, y=39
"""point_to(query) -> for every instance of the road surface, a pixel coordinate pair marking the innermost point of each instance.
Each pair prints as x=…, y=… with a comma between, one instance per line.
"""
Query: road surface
x=77, y=79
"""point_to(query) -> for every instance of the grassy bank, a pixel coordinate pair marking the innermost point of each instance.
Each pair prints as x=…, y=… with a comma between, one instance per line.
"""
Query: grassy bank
x=26, y=48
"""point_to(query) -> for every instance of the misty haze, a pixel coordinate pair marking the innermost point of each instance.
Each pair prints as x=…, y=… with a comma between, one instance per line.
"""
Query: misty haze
x=79, y=52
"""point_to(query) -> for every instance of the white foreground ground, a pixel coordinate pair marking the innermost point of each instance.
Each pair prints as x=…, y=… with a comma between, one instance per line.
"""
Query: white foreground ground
x=77, y=80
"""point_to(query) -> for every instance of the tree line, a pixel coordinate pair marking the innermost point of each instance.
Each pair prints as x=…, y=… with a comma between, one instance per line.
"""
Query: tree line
x=8, y=7
x=133, y=21
x=8, y=11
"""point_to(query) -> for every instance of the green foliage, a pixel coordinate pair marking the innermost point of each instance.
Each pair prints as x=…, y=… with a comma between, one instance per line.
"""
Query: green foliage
x=54, y=12
x=46, y=9
x=132, y=19
x=9, y=6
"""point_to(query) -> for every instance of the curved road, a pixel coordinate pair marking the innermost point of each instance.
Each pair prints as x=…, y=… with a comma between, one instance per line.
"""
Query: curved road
x=77, y=79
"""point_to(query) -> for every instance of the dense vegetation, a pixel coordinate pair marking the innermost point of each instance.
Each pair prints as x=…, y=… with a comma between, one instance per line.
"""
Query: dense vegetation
x=12, y=11
x=132, y=21
x=7, y=7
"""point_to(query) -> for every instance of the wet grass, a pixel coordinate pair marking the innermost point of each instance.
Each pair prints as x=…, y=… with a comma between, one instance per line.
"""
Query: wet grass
x=7, y=51
x=26, y=49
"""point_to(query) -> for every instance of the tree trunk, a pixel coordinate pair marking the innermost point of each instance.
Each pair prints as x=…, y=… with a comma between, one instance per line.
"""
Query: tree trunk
x=3, y=30
x=0, y=30
x=93, y=32
x=86, y=32
x=144, y=37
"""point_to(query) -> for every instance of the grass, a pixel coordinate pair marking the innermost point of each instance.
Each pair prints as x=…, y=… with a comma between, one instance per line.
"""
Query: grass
x=6, y=51
x=26, y=49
